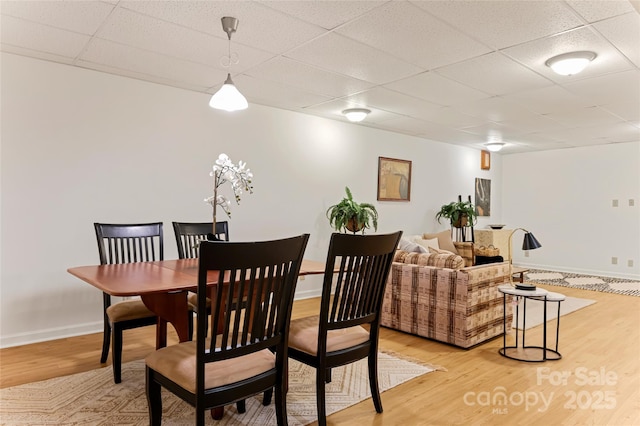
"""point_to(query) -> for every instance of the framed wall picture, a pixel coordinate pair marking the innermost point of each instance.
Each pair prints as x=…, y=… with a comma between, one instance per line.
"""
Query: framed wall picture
x=483, y=197
x=485, y=160
x=394, y=179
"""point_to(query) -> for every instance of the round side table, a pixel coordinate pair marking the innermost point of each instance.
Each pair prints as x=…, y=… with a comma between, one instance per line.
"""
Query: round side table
x=524, y=352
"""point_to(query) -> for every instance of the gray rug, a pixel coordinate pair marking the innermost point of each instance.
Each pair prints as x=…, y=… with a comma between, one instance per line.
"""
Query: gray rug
x=584, y=282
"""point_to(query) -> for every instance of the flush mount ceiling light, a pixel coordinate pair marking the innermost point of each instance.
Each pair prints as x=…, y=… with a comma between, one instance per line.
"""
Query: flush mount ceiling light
x=356, y=114
x=570, y=63
x=495, y=146
x=228, y=97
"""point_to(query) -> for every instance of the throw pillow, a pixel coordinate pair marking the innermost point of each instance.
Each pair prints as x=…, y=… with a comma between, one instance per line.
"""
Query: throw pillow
x=444, y=240
x=424, y=242
x=410, y=246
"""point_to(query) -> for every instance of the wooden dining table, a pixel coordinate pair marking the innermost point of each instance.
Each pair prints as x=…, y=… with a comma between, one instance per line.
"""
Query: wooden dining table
x=162, y=285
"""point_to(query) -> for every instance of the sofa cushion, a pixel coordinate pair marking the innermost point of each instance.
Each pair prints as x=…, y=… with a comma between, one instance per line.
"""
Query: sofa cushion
x=445, y=241
x=449, y=261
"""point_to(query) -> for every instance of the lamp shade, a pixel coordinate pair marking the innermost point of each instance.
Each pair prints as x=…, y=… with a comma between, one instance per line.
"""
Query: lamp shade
x=228, y=97
x=356, y=114
x=570, y=63
x=529, y=242
x=494, y=146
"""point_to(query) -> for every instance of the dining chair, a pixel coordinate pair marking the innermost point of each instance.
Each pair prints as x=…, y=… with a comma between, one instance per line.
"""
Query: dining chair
x=188, y=235
x=352, y=296
x=126, y=243
x=249, y=352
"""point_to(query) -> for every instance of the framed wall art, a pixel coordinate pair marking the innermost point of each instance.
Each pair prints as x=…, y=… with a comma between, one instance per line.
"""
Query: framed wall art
x=394, y=179
x=485, y=160
x=483, y=197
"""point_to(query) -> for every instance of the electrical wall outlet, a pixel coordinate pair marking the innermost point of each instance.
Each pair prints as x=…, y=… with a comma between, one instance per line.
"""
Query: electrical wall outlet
x=614, y=203
x=614, y=260
x=632, y=202
x=630, y=263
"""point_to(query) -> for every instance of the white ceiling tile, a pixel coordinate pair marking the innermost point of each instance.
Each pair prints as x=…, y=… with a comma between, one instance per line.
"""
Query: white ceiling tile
x=437, y=132
x=534, y=54
x=432, y=42
x=437, y=89
x=79, y=16
x=584, y=117
x=298, y=74
x=259, y=26
x=144, y=62
x=326, y=14
x=345, y=56
x=596, y=10
x=627, y=110
x=276, y=94
x=502, y=24
x=391, y=101
x=41, y=38
x=495, y=74
x=608, y=88
x=548, y=99
x=495, y=109
x=451, y=117
x=624, y=33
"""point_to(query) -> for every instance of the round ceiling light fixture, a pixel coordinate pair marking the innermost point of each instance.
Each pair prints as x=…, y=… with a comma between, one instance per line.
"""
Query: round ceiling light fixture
x=356, y=114
x=495, y=146
x=570, y=63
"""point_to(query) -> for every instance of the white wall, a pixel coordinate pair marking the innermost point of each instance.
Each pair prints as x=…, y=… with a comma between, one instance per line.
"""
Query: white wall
x=80, y=146
x=565, y=197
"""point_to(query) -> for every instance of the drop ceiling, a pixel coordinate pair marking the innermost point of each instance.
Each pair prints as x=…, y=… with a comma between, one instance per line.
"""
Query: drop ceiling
x=460, y=72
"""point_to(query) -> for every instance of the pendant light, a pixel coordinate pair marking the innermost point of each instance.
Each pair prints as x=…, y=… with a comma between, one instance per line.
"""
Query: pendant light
x=229, y=98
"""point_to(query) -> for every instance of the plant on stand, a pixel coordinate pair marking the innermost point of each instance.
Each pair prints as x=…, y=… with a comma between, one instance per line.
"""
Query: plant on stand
x=459, y=213
x=351, y=216
x=224, y=170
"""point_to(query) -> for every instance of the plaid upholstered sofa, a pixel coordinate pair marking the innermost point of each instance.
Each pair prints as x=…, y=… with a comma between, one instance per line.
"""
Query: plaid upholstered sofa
x=462, y=306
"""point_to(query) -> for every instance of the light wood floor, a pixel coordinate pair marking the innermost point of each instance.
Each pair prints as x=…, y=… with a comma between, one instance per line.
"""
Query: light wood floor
x=601, y=365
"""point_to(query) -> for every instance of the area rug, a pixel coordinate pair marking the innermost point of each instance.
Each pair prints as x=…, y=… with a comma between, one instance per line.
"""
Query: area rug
x=535, y=310
x=92, y=398
x=584, y=282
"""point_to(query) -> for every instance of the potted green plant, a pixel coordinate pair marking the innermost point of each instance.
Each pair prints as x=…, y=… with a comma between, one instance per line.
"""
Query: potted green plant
x=459, y=213
x=351, y=216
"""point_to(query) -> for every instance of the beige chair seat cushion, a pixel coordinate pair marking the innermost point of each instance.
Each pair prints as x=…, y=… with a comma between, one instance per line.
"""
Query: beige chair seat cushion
x=192, y=300
x=128, y=310
x=303, y=336
x=178, y=363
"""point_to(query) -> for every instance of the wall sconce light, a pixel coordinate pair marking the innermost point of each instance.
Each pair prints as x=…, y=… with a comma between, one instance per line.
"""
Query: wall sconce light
x=356, y=114
x=570, y=63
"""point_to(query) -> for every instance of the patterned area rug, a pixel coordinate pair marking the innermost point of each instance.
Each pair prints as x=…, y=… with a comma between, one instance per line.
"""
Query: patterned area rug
x=92, y=398
x=585, y=282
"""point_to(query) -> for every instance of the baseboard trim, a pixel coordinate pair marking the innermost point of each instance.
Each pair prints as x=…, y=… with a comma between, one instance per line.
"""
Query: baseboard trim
x=20, y=339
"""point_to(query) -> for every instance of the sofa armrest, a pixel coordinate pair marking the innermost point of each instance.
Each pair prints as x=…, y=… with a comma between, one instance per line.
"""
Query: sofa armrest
x=467, y=251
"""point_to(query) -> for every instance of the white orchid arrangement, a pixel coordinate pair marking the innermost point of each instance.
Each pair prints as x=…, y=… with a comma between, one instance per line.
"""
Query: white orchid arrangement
x=224, y=170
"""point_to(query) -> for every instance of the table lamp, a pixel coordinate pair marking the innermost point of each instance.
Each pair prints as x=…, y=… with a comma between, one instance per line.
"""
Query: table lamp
x=528, y=243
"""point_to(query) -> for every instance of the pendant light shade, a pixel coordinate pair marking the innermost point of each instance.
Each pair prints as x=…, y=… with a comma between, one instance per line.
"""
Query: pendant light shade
x=228, y=98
